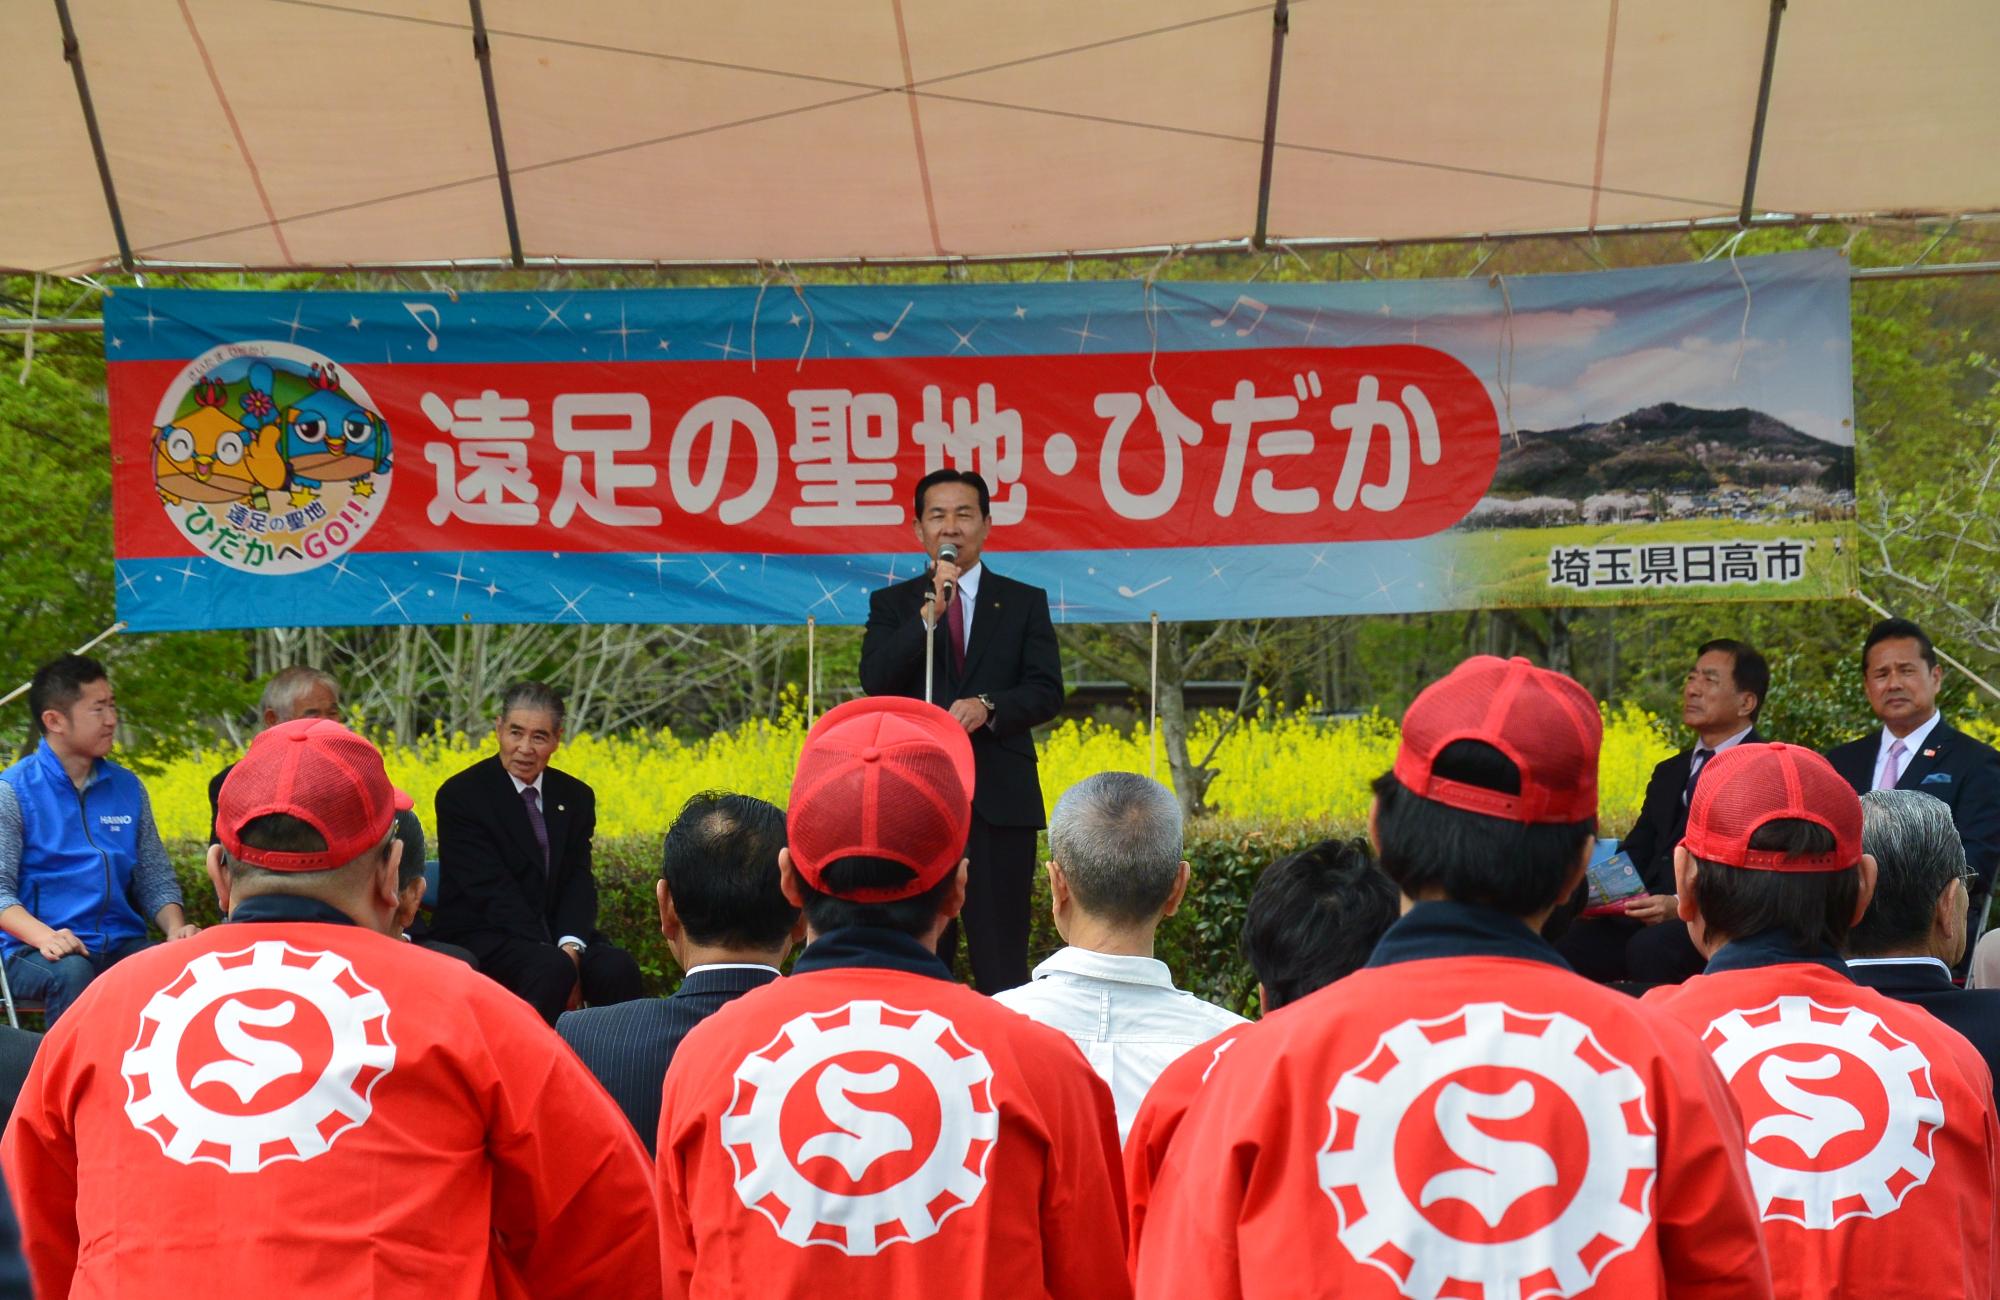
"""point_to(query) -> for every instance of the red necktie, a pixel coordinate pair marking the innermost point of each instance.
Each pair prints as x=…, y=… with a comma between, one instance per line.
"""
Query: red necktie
x=955, y=620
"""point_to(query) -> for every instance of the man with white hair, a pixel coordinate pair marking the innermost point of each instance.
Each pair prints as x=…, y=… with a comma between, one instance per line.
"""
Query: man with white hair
x=1116, y=873
x=1913, y=933
x=292, y=693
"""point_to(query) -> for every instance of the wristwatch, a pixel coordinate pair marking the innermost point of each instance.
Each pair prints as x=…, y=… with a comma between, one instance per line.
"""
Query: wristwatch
x=991, y=710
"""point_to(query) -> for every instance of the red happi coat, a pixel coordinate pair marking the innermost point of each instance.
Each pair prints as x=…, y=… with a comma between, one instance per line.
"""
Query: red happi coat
x=1159, y=1118
x=857, y=1133
x=299, y=1107
x=1872, y=1139
x=1464, y=1117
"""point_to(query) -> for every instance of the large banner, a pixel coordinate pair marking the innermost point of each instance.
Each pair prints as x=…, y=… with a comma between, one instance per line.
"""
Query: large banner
x=1195, y=450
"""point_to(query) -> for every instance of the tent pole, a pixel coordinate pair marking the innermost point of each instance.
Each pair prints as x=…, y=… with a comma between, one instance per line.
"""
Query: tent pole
x=1763, y=107
x=73, y=55
x=1281, y=25
x=482, y=50
x=85, y=648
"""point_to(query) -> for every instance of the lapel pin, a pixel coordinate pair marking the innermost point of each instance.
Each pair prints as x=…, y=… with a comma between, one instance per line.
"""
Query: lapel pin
x=561, y=808
x=1930, y=753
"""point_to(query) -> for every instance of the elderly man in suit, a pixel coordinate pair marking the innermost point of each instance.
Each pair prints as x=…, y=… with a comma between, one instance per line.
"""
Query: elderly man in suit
x=1648, y=944
x=514, y=879
x=997, y=668
x=728, y=925
x=1916, y=749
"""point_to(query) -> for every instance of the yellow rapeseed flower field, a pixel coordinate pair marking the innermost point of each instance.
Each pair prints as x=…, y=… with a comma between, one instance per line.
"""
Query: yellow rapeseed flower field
x=1278, y=766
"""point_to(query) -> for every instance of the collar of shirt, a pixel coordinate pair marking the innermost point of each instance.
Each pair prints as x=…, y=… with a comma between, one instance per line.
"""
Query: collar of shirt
x=288, y=907
x=1445, y=929
x=868, y=946
x=47, y=756
x=1730, y=743
x=1771, y=948
x=1107, y=966
x=1913, y=744
x=729, y=965
x=1926, y=965
x=520, y=785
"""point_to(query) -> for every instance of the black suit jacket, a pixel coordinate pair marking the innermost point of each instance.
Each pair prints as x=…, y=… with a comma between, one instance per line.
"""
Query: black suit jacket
x=1663, y=819
x=490, y=874
x=629, y=1045
x=1012, y=656
x=1974, y=1013
x=1951, y=766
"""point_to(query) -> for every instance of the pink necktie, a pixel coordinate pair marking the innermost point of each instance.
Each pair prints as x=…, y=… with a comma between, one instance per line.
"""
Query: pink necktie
x=1892, y=767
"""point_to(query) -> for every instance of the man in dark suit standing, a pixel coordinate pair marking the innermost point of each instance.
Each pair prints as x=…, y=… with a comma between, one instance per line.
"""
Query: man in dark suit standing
x=728, y=925
x=514, y=880
x=1915, y=749
x=1720, y=700
x=998, y=670
x=1913, y=932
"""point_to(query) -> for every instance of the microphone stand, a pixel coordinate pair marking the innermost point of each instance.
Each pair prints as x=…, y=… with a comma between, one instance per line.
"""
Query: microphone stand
x=930, y=642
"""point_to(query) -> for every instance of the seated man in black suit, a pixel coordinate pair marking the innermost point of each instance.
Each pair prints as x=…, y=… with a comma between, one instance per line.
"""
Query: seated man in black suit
x=1916, y=749
x=1649, y=944
x=728, y=925
x=1914, y=931
x=514, y=879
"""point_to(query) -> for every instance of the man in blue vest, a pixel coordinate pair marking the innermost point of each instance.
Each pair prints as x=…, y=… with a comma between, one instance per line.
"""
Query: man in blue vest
x=81, y=862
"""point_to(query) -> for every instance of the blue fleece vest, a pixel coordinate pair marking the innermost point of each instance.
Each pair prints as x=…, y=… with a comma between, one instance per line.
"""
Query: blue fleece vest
x=78, y=849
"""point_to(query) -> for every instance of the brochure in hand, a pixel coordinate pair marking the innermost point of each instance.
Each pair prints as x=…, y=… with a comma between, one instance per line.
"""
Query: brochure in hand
x=1611, y=883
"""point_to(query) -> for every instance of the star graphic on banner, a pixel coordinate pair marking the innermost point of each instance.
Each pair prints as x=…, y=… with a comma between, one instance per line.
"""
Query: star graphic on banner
x=624, y=334
x=665, y=344
x=1319, y=558
x=1020, y=313
x=1382, y=588
x=793, y=320
x=298, y=308
x=354, y=322
x=569, y=603
x=1214, y=569
x=491, y=589
x=187, y=571
x=1062, y=607
x=395, y=599
x=889, y=573
x=339, y=570
x=728, y=346
x=826, y=597
x=964, y=340
x=151, y=320
x=117, y=342
x=1312, y=325
x=660, y=562
x=554, y=315
x=712, y=574
x=1083, y=335
x=125, y=581
x=458, y=578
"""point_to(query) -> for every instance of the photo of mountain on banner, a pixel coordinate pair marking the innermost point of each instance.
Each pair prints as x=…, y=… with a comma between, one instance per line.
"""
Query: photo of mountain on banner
x=1727, y=504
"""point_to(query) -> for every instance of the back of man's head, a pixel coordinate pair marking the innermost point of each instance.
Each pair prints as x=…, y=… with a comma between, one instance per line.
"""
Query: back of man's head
x=1494, y=792
x=720, y=864
x=308, y=810
x=1117, y=838
x=1918, y=856
x=880, y=808
x=1315, y=917
x=1774, y=835
x=58, y=684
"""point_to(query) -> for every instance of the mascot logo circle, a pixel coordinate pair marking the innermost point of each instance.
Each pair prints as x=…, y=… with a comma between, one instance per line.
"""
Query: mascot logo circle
x=270, y=458
x=1838, y=1110
x=264, y=1054
x=861, y=1127
x=1491, y=1153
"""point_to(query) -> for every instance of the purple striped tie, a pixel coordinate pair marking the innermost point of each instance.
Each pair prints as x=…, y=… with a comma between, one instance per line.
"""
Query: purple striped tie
x=533, y=798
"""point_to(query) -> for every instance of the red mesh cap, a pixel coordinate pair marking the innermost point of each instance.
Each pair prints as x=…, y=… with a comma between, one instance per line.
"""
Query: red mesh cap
x=318, y=771
x=882, y=778
x=1543, y=721
x=1746, y=786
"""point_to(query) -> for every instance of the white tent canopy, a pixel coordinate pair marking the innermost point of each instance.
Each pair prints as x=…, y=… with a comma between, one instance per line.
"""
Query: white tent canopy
x=334, y=133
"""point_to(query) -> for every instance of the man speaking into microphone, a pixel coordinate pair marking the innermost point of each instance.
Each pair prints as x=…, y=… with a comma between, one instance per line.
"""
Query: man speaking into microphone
x=996, y=667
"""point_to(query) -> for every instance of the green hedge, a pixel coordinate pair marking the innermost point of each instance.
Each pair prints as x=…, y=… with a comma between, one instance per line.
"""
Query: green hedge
x=1200, y=943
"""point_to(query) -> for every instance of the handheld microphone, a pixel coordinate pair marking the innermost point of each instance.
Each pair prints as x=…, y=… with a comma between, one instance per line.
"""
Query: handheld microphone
x=948, y=554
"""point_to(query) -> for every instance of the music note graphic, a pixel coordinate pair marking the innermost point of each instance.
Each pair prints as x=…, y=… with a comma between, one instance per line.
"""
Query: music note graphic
x=883, y=336
x=416, y=310
x=1242, y=300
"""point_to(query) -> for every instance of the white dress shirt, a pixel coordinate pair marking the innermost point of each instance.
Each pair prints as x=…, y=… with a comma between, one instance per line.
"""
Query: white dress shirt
x=536, y=785
x=1912, y=745
x=968, y=596
x=1124, y=1013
